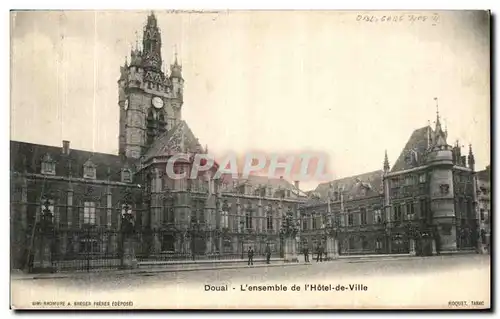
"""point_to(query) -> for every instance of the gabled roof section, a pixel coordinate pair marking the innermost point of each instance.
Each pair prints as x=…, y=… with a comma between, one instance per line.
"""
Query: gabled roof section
x=28, y=157
x=367, y=184
x=414, y=152
x=180, y=139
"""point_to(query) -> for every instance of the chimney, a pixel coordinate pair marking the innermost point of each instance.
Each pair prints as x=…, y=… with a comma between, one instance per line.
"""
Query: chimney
x=65, y=148
x=296, y=184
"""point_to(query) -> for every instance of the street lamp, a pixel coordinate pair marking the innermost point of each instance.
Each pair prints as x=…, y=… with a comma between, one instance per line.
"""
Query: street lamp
x=242, y=230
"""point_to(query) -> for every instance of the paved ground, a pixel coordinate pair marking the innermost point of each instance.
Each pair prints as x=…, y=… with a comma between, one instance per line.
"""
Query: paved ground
x=390, y=283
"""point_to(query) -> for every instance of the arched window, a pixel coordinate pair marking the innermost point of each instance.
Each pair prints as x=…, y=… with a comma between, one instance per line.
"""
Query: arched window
x=151, y=126
x=162, y=125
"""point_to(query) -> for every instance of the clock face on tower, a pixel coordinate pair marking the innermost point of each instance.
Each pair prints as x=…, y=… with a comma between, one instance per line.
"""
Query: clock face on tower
x=157, y=102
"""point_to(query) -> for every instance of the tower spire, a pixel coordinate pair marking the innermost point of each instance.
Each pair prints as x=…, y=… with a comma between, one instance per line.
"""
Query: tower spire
x=136, y=40
x=386, y=162
x=471, y=158
x=438, y=123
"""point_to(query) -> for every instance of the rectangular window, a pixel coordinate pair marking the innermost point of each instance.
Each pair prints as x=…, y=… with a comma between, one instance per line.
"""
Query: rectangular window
x=421, y=178
x=224, y=219
x=126, y=176
x=48, y=168
x=350, y=219
x=482, y=214
x=363, y=215
x=314, y=222
x=304, y=223
x=270, y=221
x=398, y=216
x=248, y=220
x=89, y=172
x=89, y=213
x=377, y=217
x=410, y=211
x=408, y=180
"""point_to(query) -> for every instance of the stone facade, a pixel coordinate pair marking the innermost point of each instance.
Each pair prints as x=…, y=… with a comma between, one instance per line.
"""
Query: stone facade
x=427, y=203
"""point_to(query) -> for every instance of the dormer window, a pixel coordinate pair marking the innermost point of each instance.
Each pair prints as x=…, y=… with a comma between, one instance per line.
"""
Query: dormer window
x=48, y=165
x=126, y=175
x=89, y=170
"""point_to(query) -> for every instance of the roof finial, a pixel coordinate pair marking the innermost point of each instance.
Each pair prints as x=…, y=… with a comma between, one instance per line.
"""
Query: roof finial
x=175, y=54
x=437, y=107
x=386, y=162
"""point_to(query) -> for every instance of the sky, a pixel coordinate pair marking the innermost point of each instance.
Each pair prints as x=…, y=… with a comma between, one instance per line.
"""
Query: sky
x=278, y=82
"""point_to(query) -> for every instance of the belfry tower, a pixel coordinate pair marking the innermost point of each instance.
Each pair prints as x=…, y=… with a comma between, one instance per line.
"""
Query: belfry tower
x=440, y=160
x=150, y=101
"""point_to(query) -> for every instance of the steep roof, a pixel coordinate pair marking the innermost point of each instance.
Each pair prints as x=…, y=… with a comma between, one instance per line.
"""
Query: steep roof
x=256, y=181
x=414, y=151
x=177, y=140
x=28, y=156
x=484, y=175
x=366, y=184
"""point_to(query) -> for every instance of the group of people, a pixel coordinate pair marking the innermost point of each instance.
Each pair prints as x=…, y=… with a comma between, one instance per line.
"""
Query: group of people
x=251, y=253
x=319, y=254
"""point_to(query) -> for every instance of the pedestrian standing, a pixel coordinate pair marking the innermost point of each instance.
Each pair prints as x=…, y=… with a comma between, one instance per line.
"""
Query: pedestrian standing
x=250, y=256
x=319, y=252
x=306, y=254
x=268, y=254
